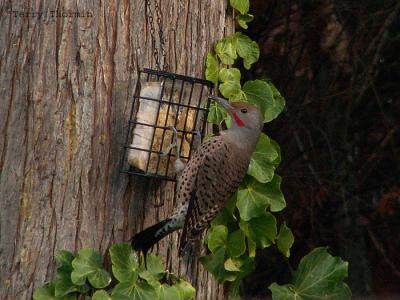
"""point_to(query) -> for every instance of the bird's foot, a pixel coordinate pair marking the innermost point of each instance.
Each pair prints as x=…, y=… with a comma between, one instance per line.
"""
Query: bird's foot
x=178, y=165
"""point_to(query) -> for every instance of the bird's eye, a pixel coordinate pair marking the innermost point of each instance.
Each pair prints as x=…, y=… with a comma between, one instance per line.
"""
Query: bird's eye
x=243, y=110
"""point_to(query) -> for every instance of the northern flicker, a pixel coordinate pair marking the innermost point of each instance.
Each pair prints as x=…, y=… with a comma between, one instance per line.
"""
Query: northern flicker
x=209, y=178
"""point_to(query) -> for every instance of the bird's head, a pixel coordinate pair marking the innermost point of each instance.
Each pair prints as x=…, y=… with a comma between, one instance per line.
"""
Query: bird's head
x=244, y=115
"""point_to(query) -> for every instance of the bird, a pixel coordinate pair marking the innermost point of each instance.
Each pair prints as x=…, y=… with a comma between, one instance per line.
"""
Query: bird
x=209, y=179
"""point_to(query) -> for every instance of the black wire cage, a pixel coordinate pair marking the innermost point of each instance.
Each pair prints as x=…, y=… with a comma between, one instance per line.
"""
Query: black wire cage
x=167, y=122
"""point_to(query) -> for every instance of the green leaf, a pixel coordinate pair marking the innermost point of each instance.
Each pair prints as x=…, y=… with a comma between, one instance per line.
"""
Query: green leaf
x=251, y=200
x=125, y=262
x=276, y=161
x=88, y=264
x=154, y=264
x=258, y=93
x=212, y=68
x=244, y=19
x=226, y=51
x=230, y=265
x=251, y=245
x=254, y=197
x=231, y=74
x=240, y=5
x=274, y=194
x=217, y=237
x=47, y=292
x=319, y=276
x=134, y=291
x=236, y=243
x=230, y=79
x=247, y=49
x=244, y=265
x=262, y=163
x=275, y=106
x=214, y=263
x=168, y=292
x=101, y=295
x=262, y=230
x=226, y=215
x=64, y=259
x=63, y=284
x=234, y=290
x=186, y=290
x=217, y=114
x=230, y=89
x=285, y=240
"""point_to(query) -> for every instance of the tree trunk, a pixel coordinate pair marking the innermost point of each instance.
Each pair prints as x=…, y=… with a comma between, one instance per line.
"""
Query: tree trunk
x=66, y=85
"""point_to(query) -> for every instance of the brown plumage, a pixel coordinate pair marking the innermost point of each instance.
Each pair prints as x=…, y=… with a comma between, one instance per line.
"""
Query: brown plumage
x=210, y=178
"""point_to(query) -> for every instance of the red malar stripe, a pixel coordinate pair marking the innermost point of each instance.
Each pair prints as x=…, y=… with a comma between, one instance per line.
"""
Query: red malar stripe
x=238, y=120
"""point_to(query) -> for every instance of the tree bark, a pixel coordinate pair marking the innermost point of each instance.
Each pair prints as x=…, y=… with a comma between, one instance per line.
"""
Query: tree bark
x=66, y=86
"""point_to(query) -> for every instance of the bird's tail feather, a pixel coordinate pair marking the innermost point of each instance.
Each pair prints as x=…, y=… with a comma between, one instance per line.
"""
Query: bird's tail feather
x=145, y=239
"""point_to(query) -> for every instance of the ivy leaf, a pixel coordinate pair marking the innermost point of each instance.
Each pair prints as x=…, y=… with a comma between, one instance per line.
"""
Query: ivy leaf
x=277, y=160
x=133, y=291
x=262, y=230
x=186, y=290
x=217, y=237
x=285, y=240
x=224, y=217
x=262, y=163
x=168, y=292
x=214, y=263
x=212, y=68
x=230, y=265
x=240, y=5
x=63, y=284
x=230, y=79
x=64, y=259
x=254, y=197
x=251, y=245
x=319, y=276
x=244, y=265
x=274, y=194
x=276, y=106
x=226, y=51
x=154, y=271
x=236, y=245
x=125, y=262
x=244, y=19
x=47, y=292
x=231, y=74
x=101, y=295
x=251, y=201
x=247, y=49
x=259, y=93
x=216, y=114
x=155, y=265
x=234, y=290
x=88, y=264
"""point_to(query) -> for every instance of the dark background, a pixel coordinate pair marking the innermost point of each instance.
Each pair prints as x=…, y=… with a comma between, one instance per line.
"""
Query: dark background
x=336, y=63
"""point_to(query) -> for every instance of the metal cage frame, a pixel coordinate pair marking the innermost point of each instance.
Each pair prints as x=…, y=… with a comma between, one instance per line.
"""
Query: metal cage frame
x=159, y=76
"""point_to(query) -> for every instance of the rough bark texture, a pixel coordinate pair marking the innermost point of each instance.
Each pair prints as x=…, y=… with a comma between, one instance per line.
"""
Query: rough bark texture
x=66, y=86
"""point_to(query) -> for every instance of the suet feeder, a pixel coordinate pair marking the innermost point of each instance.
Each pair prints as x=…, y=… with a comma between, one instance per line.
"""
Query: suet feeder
x=167, y=122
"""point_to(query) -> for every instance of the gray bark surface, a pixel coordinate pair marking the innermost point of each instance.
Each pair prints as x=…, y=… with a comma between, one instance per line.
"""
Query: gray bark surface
x=66, y=87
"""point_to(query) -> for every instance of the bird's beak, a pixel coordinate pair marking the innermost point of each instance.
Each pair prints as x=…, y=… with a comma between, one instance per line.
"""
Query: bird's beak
x=223, y=102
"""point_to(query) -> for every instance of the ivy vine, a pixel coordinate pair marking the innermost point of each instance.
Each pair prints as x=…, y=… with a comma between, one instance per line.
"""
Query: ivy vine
x=247, y=223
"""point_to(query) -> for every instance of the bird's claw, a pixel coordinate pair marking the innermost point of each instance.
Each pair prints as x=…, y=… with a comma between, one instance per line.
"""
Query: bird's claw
x=178, y=165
